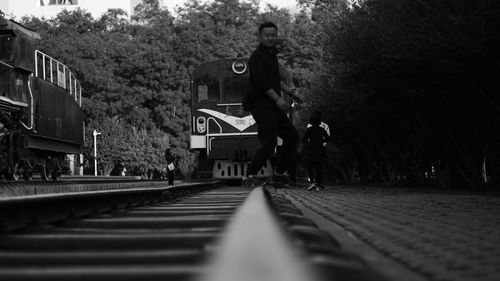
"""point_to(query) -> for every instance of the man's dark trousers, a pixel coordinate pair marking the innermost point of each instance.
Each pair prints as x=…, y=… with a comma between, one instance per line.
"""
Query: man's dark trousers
x=170, y=177
x=271, y=123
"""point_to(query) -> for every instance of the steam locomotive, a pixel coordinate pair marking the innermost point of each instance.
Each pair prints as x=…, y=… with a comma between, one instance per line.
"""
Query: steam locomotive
x=225, y=134
x=41, y=119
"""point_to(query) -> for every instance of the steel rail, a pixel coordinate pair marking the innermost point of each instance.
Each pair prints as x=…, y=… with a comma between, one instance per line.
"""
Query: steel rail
x=255, y=247
x=224, y=233
x=118, y=245
x=21, y=211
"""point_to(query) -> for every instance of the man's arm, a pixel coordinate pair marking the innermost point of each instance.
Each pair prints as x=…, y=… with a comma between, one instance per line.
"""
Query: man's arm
x=259, y=72
x=291, y=92
x=280, y=102
x=287, y=90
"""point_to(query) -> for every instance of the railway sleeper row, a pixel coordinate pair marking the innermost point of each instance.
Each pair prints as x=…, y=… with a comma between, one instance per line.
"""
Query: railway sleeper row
x=224, y=233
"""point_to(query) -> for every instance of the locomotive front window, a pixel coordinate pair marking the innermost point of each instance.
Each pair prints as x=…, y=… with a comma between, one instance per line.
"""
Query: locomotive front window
x=206, y=89
x=234, y=87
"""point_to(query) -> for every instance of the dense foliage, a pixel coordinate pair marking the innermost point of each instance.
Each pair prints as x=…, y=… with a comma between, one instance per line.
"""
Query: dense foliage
x=135, y=72
x=410, y=87
x=407, y=86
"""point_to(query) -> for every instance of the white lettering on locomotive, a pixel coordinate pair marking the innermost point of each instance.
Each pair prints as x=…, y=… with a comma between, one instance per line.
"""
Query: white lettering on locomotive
x=241, y=124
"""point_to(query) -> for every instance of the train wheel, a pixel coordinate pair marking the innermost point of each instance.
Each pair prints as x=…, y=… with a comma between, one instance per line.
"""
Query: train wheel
x=27, y=175
x=13, y=172
x=43, y=170
x=55, y=175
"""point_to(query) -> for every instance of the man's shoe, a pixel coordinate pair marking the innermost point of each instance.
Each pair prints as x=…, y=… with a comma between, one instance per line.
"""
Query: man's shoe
x=250, y=181
x=319, y=187
x=311, y=187
x=281, y=178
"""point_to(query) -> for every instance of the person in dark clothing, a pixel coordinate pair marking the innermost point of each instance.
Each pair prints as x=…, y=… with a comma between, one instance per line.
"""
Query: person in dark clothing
x=327, y=129
x=268, y=107
x=314, y=140
x=170, y=158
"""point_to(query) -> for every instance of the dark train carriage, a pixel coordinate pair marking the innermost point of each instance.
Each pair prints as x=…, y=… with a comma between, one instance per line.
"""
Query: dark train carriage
x=40, y=116
x=58, y=116
x=224, y=132
x=16, y=63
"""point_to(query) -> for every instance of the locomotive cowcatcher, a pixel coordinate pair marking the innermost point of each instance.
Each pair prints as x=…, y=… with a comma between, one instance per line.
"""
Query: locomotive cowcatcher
x=41, y=120
x=221, y=129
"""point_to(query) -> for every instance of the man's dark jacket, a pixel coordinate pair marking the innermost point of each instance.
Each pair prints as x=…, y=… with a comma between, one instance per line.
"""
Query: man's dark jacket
x=264, y=75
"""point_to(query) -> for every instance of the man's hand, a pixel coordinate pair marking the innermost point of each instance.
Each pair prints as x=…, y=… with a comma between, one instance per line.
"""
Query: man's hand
x=296, y=95
x=282, y=105
x=292, y=92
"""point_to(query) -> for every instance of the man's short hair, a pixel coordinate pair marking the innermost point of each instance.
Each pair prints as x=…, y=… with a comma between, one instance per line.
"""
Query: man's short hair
x=266, y=24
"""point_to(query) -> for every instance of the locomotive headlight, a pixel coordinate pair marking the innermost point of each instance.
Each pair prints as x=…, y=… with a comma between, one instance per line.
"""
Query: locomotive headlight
x=201, y=124
x=239, y=66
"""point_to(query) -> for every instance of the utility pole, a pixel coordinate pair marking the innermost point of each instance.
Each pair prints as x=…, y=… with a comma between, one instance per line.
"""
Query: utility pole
x=95, y=133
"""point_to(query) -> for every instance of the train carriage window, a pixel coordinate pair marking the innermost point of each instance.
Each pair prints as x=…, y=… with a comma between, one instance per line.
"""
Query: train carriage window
x=6, y=46
x=234, y=87
x=207, y=89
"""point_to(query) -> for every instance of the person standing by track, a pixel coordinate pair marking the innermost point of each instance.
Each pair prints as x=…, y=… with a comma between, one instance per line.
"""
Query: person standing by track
x=314, y=142
x=327, y=129
x=322, y=124
x=269, y=109
x=170, y=158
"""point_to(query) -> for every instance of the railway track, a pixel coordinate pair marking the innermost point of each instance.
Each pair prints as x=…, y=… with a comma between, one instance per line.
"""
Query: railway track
x=201, y=232
x=65, y=181
x=74, y=184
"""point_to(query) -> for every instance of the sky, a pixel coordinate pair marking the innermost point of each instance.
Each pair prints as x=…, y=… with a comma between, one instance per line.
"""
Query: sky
x=289, y=4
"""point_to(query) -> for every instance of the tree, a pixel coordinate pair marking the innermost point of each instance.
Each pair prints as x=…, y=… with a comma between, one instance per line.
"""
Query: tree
x=408, y=84
x=136, y=74
x=121, y=144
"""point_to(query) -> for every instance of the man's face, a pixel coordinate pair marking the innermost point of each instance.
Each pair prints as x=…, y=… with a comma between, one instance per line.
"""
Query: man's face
x=268, y=36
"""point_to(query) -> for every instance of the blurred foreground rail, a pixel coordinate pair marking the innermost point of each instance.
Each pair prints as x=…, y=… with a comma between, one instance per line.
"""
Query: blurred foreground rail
x=197, y=232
